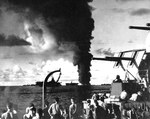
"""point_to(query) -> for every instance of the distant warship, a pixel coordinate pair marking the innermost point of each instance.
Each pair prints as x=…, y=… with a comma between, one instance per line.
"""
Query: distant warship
x=51, y=83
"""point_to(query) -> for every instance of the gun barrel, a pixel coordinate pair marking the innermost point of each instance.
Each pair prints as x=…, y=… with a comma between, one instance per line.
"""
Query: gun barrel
x=139, y=27
x=95, y=58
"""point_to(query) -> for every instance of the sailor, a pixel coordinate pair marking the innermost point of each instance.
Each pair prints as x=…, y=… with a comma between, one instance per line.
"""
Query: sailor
x=45, y=110
x=99, y=112
x=134, y=97
x=55, y=110
x=89, y=110
x=95, y=97
x=39, y=113
x=123, y=95
x=29, y=111
x=33, y=113
x=10, y=113
x=73, y=109
x=65, y=111
x=117, y=80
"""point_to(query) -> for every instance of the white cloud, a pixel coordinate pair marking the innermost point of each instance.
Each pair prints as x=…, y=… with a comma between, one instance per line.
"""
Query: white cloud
x=17, y=69
x=68, y=70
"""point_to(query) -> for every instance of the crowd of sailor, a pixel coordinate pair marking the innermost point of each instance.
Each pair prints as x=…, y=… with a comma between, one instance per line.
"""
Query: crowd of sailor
x=100, y=106
x=57, y=111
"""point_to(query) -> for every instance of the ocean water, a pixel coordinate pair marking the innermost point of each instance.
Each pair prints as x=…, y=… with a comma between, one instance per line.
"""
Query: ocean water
x=22, y=96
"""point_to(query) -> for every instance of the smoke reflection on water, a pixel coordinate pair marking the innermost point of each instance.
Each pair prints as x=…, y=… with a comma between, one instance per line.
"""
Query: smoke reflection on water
x=21, y=96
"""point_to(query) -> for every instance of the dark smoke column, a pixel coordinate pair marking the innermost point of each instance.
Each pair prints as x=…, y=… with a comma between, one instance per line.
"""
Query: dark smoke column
x=69, y=21
x=83, y=58
x=75, y=25
x=84, y=68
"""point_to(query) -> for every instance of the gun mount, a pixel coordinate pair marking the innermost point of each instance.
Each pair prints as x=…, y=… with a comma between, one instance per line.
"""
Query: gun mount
x=118, y=60
x=144, y=66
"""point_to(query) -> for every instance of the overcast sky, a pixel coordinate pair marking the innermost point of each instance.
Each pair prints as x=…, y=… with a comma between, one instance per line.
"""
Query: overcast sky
x=112, y=21
x=112, y=18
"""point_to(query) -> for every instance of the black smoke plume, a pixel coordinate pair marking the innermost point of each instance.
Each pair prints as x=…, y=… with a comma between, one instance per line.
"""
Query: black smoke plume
x=69, y=21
